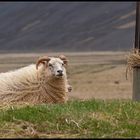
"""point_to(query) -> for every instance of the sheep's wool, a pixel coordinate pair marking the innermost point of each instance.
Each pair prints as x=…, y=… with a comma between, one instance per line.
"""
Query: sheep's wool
x=32, y=86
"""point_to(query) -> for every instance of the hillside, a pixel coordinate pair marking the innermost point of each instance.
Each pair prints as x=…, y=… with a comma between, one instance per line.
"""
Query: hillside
x=66, y=26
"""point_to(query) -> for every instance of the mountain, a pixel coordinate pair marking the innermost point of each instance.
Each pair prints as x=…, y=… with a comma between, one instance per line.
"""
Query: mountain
x=66, y=26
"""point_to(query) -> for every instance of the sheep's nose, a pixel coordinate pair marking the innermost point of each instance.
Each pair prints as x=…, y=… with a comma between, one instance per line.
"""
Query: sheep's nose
x=60, y=72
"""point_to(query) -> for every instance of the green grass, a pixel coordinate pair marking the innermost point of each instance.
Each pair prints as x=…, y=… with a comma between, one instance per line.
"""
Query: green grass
x=75, y=119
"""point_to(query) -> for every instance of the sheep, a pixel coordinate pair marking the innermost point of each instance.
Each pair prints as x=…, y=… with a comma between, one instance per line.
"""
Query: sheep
x=43, y=82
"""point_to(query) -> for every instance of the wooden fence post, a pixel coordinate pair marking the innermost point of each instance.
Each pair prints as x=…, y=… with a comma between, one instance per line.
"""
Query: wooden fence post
x=136, y=84
x=136, y=70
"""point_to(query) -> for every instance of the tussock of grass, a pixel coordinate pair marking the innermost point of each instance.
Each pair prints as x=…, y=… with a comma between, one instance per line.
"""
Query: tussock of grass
x=77, y=119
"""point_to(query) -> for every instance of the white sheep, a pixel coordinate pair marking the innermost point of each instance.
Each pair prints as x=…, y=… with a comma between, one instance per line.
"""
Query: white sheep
x=43, y=82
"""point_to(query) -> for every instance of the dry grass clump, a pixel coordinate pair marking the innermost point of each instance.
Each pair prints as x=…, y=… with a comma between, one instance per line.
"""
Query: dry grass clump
x=133, y=60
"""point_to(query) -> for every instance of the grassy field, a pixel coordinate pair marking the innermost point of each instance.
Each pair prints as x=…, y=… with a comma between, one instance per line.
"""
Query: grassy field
x=75, y=119
x=99, y=106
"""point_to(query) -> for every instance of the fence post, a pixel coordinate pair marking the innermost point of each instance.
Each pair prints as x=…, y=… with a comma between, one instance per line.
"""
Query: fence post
x=136, y=70
x=136, y=84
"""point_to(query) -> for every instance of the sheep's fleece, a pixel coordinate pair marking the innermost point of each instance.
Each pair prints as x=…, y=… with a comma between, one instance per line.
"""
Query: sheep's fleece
x=43, y=82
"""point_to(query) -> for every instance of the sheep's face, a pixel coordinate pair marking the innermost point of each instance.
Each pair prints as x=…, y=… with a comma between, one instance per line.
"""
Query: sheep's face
x=56, y=67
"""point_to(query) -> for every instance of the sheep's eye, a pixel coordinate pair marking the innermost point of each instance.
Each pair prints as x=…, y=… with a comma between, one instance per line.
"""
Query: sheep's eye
x=62, y=64
x=50, y=65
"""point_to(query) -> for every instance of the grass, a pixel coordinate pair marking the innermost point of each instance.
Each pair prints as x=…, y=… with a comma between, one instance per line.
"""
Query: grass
x=75, y=119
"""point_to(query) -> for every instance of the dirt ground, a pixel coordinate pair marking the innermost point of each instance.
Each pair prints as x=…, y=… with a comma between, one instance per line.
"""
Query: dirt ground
x=99, y=75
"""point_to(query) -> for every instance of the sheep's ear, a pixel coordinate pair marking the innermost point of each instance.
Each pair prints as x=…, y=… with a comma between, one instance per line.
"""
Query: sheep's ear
x=64, y=58
x=42, y=60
